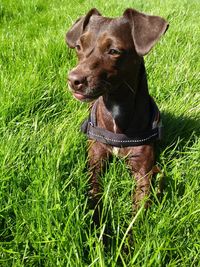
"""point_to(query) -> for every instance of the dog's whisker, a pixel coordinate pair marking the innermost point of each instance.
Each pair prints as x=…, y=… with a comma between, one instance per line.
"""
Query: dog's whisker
x=106, y=83
x=130, y=87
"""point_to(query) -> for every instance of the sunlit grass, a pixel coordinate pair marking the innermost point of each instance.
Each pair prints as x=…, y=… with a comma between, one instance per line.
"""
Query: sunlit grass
x=45, y=218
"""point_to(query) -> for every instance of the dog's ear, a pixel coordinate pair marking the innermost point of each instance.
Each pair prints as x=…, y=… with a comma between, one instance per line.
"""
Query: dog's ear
x=77, y=29
x=146, y=30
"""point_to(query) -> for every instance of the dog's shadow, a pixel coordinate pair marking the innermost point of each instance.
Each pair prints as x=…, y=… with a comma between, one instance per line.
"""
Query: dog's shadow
x=180, y=128
x=179, y=134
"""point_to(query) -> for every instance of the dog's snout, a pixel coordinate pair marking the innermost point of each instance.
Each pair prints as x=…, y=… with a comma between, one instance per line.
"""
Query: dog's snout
x=76, y=81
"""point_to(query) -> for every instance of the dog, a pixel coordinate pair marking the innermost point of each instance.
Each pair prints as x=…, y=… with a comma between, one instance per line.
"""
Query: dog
x=124, y=119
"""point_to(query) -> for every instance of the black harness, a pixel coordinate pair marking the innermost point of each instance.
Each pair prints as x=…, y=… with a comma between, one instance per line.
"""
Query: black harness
x=90, y=128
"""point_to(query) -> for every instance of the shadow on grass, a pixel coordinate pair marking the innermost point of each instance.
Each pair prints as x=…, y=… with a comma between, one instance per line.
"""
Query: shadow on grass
x=180, y=133
x=181, y=127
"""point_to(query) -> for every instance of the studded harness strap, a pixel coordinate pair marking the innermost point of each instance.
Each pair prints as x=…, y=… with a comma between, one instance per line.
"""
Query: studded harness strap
x=90, y=128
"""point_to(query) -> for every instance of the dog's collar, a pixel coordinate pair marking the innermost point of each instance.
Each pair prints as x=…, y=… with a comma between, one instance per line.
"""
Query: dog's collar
x=90, y=128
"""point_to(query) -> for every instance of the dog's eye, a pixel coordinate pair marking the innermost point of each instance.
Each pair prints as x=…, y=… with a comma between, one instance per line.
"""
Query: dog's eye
x=78, y=47
x=114, y=52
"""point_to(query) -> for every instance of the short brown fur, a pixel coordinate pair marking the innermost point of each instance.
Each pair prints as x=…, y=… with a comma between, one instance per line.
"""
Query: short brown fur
x=111, y=69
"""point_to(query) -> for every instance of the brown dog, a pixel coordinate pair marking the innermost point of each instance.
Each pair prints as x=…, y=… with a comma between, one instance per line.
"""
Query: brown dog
x=124, y=119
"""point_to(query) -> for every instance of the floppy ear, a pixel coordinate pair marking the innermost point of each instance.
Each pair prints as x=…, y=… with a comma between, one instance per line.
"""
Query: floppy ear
x=77, y=29
x=146, y=30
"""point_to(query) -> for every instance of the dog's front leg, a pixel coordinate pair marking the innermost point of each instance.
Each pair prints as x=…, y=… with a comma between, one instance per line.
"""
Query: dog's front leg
x=98, y=154
x=141, y=163
x=143, y=182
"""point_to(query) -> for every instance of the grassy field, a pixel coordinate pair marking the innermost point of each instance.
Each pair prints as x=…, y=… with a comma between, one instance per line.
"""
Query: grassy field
x=44, y=215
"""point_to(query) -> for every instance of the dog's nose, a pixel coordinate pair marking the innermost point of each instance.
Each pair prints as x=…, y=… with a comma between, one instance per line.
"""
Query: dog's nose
x=76, y=81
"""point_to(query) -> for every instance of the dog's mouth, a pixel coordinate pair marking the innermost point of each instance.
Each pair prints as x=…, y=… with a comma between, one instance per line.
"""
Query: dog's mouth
x=81, y=96
x=86, y=93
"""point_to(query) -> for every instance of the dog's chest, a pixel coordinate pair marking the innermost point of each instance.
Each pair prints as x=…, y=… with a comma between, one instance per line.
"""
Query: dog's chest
x=115, y=150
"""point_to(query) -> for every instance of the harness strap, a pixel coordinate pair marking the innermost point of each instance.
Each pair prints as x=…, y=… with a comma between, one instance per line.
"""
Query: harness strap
x=90, y=128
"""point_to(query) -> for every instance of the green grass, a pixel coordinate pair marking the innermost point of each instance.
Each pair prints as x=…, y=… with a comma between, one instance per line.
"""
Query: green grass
x=44, y=214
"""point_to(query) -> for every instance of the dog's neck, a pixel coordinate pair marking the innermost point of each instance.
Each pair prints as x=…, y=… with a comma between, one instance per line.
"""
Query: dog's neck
x=130, y=105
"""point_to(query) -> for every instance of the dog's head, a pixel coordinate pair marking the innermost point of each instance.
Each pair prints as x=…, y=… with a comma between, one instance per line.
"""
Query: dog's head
x=110, y=50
